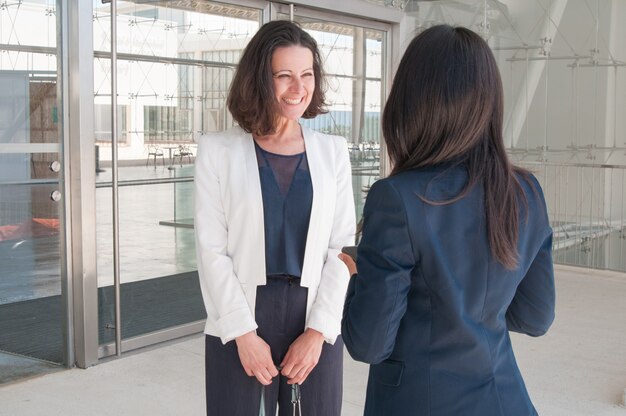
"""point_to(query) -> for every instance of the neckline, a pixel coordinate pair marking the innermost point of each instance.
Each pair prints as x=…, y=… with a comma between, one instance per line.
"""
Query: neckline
x=276, y=154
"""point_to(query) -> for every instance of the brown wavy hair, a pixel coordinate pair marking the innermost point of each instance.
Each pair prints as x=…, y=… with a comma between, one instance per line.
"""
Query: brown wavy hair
x=251, y=100
x=446, y=106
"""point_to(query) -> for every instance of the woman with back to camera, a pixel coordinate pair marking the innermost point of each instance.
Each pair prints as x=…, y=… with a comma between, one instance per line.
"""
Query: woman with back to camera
x=456, y=244
x=273, y=208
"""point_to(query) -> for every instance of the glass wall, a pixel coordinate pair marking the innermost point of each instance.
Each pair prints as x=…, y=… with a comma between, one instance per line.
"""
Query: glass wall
x=31, y=226
x=562, y=66
x=354, y=64
x=175, y=63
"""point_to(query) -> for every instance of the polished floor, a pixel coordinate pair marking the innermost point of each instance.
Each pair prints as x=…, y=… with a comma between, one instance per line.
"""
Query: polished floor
x=577, y=369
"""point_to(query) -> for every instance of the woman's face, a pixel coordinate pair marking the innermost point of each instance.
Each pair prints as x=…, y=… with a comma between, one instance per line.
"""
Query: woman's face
x=294, y=80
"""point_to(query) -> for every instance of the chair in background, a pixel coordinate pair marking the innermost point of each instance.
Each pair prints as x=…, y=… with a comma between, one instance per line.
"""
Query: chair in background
x=184, y=151
x=154, y=152
x=355, y=152
x=371, y=150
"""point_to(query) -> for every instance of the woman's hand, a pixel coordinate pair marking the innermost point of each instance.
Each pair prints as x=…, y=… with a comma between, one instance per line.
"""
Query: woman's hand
x=349, y=262
x=302, y=356
x=256, y=357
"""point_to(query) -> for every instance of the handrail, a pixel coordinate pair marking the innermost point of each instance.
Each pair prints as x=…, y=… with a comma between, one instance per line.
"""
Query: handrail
x=31, y=182
x=139, y=182
x=133, y=182
x=566, y=165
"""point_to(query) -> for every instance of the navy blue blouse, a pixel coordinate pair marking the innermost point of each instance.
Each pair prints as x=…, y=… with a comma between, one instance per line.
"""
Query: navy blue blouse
x=287, y=197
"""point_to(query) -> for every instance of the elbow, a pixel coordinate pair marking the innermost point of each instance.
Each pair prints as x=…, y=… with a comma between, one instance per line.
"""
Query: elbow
x=362, y=348
x=535, y=328
x=365, y=355
x=542, y=327
x=536, y=332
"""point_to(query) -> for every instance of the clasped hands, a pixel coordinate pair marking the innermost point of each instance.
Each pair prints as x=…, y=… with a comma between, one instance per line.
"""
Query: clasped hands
x=301, y=358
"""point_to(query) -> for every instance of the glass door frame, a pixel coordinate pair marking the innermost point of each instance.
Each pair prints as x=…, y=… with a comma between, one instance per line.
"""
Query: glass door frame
x=75, y=36
x=61, y=51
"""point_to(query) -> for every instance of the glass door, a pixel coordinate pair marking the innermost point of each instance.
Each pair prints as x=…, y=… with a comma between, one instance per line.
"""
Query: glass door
x=31, y=226
x=354, y=53
x=175, y=61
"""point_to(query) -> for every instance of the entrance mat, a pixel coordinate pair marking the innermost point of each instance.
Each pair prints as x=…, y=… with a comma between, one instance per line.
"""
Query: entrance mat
x=33, y=328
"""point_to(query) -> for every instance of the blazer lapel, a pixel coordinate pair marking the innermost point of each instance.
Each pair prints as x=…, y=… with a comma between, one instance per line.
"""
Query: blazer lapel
x=313, y=154
x=254, y=199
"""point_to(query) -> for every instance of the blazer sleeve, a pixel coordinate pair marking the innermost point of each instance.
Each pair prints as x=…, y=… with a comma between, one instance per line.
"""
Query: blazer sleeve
x=325, y=314
x=377, y=296
x=531, y=311
x=220, y=286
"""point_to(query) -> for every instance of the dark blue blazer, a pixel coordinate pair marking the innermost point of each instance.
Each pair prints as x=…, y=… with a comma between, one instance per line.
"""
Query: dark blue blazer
x=430, y=309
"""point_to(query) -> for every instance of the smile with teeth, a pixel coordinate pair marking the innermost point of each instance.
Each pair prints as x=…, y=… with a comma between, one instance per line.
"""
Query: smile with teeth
x=293, y=101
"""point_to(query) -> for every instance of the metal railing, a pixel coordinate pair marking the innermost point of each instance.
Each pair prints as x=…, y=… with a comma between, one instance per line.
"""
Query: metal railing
x=587, y=205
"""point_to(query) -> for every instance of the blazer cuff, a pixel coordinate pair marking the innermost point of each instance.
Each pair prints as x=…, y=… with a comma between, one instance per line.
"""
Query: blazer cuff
x=235, y=324
x=325, y=323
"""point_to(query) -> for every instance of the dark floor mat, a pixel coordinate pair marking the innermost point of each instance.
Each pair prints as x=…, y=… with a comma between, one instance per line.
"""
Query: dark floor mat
x=33, y=327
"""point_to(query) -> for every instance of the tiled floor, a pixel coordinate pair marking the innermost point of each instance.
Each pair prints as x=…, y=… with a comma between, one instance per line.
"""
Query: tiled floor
x=577, y=369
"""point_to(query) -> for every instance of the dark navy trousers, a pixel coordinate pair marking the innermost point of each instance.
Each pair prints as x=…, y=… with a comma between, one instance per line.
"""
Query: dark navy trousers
x=280, y=314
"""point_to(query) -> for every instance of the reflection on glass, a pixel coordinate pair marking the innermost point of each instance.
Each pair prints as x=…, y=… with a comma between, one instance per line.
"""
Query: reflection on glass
x=353, y=65
x=30, y=268
x=175, y=63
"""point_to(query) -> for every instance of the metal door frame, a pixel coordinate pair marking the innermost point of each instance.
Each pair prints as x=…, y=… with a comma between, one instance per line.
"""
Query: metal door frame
x=76, y=33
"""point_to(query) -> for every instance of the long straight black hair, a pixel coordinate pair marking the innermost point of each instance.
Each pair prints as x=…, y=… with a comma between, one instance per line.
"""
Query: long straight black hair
x=446, y=106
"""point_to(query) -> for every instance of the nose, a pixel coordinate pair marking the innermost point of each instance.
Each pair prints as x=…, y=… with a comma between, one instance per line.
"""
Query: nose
x=297, y=84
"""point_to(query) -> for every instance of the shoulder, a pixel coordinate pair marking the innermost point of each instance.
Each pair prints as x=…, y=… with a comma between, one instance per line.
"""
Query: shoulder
x=222, y=138
x=535, y=202
x=227, y=139
x=384, y=191
x=532, y=180
x=326, y=140
x=530, y=185
x=218, y=150
x=418, y=180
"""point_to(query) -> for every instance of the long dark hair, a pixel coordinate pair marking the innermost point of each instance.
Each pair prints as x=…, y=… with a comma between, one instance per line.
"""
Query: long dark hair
x=446, y=106
x=251, y=98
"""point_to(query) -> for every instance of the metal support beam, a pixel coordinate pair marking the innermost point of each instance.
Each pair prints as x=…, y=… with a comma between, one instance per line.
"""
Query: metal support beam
x=114, y=187
x=358, y=84
x=79, y=166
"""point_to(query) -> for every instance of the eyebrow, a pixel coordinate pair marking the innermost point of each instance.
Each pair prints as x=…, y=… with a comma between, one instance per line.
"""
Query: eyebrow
x=290, y=71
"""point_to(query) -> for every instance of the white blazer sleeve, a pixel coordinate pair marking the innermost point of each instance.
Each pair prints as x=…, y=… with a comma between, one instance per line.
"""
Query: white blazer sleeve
x=327, y=310
x=223, y=295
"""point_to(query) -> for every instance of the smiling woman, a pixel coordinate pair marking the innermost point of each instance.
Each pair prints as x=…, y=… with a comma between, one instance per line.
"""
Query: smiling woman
x=294, y=80
x=273, y=209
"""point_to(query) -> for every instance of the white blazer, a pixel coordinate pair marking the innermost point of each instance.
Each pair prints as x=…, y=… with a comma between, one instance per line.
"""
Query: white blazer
x=230, y=241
